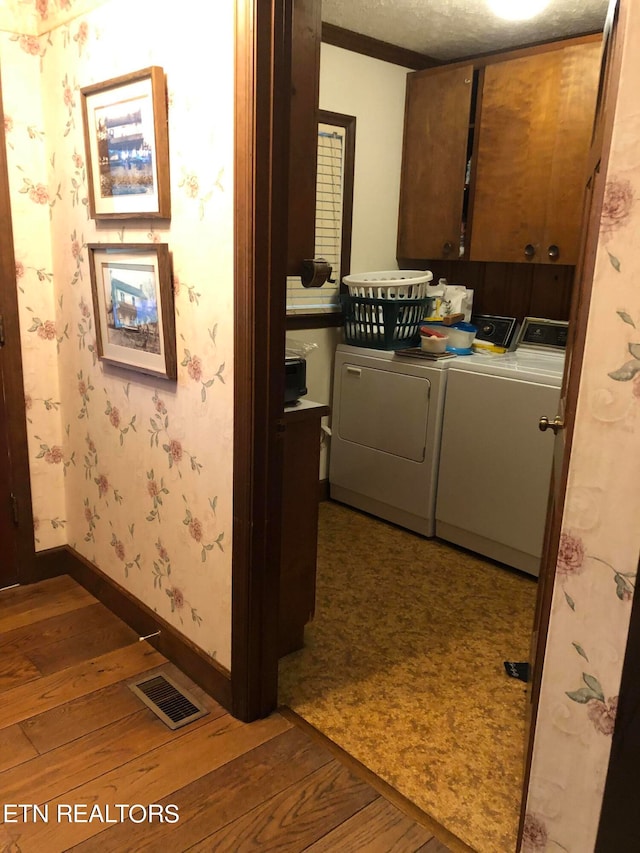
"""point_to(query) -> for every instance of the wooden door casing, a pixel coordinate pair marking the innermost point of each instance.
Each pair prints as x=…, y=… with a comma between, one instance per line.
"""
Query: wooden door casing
x=434, y=158
x=303, y=131
x=8, y=549
x=16, y=539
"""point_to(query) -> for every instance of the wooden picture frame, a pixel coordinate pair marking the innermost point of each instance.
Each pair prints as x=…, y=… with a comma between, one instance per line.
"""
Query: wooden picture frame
x=133, y=305
x=127, y=146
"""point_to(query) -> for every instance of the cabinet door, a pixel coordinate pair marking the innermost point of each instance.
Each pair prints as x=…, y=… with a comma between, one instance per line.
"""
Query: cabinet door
x=535, y=130
x=574, y=126
x=434, y=162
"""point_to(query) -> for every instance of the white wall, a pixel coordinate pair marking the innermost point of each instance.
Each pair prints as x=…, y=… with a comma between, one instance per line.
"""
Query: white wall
x=373, y=92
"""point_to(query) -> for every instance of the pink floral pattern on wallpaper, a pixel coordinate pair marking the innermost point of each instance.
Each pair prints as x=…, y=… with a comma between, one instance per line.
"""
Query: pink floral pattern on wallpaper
x=30, y=45
x=176, y=453
x=194, y=366
x=118, y=421
x=124, y=507
x=190, y=184
x=192, y=294
x=535, y=835
x=39, y=193
x=156, y=489
x=196, y=532
x=161, y=573
x=81, y=36
x=55, y=455
x=47, y=330
x=121, y=553
x=616, y=210
x=573, y=559
x=573, y=562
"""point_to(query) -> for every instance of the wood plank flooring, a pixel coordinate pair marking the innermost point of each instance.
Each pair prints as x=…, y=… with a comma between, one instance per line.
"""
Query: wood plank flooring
x=73, y=735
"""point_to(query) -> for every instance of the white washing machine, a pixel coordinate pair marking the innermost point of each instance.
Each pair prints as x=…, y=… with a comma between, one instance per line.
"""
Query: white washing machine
x=386, y=429
x=495, y=463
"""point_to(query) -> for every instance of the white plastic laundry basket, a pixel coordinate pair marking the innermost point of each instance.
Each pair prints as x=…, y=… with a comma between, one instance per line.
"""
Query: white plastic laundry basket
x=389, y=284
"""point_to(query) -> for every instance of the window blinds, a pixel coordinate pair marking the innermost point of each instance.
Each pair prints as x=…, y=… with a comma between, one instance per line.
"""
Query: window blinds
x=328, y=231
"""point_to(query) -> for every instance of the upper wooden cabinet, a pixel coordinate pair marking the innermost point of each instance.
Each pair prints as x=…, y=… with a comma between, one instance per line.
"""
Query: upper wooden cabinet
x=526, y=140
x=436, y=135
x=535, y=129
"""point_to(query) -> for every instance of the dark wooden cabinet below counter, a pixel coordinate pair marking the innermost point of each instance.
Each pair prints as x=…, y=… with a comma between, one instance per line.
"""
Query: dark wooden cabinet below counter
x=300, y=491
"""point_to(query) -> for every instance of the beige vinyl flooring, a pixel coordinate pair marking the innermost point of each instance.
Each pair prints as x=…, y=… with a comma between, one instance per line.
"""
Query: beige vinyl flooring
x=403, y=668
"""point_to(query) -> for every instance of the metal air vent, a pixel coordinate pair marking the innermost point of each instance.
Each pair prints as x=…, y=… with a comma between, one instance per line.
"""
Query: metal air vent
x=173, y=705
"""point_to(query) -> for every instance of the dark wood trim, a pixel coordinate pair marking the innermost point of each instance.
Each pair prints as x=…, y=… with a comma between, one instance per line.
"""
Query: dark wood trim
x=12, y=377
x=375, y=48
x=303, y=86
x=319, y=319
x=263, y=56
x=50, y=563
x=315, y=321
x=348, y=122
x=202, y=669
x=323, y=490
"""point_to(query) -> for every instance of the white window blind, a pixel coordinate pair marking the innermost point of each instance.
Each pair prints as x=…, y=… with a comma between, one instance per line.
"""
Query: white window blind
x=328, y=232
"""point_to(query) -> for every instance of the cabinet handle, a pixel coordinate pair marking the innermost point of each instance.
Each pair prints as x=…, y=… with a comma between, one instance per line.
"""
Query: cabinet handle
x=529, y=250
x=554, y=252
x=447, y=248
x=555, y=425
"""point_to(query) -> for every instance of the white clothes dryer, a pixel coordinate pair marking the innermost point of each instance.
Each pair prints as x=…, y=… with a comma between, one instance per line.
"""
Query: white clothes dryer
x=386, y=430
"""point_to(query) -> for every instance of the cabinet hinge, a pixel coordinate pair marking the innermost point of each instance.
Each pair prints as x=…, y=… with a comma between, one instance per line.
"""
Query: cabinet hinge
x=13, y=500
x=1, y=330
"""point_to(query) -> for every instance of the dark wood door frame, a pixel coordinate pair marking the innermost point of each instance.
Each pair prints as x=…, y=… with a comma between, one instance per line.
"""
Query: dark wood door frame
x=12, y=380
x=263, y=50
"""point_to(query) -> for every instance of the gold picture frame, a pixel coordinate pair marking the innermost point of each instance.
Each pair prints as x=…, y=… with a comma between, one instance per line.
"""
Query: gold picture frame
x=127, y=146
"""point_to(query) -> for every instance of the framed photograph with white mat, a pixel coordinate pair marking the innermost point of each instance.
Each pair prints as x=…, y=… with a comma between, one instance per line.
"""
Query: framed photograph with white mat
x=133, y=305
x=127, y=146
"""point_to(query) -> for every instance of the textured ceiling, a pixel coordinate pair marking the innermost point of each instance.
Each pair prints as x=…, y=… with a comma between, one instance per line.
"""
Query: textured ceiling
x=451, y=29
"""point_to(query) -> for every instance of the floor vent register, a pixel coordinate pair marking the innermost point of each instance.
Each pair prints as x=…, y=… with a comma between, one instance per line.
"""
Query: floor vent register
x=173, y=705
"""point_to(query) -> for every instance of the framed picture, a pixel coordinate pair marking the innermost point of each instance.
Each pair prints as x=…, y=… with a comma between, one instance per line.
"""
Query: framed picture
x=127, y=146
x=133, y=305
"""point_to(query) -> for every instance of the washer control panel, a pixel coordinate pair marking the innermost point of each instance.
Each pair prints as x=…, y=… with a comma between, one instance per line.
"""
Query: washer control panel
x=538, y=333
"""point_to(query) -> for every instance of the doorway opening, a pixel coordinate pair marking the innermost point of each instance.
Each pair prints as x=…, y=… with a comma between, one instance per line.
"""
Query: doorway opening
x=403, y=668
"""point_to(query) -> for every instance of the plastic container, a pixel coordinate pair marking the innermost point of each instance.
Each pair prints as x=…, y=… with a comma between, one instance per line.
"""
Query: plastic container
x=389, y=284
x=434, y=343
x=461, y=335
x=388, y=324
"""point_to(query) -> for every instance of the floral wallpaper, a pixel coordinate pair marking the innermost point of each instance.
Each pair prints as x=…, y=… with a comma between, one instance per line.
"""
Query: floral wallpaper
x=34, y=17
x=132, y=471
x=600, y=542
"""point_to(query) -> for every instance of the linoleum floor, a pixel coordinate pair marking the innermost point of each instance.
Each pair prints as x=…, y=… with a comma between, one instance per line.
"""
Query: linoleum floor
x=403, y=668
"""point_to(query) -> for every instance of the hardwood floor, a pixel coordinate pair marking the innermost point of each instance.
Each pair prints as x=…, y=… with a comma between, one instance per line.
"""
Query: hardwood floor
x=74, y=736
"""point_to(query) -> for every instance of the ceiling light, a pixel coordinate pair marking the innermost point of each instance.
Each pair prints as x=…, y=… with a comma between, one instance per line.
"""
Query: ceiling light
x=517, y=10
